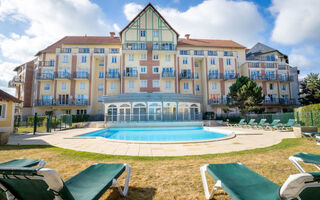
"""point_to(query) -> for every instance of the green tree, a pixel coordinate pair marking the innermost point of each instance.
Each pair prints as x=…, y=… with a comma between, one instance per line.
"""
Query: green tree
x=310, y=90
x=246, y=95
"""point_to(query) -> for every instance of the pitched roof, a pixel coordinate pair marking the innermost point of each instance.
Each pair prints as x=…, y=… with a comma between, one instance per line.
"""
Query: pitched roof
x=260, y=48
x=7, y=97
x=149, y=4
x=80, y=40
x=209, y=43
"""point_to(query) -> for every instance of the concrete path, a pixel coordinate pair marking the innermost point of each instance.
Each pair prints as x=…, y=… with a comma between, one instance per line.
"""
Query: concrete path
x=249, y=139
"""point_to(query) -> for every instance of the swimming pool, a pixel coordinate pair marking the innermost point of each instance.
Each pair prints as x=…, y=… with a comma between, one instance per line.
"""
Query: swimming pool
x=157, y=134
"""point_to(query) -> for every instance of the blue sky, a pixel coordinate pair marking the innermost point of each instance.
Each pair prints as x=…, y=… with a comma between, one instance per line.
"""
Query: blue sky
x=292, y=26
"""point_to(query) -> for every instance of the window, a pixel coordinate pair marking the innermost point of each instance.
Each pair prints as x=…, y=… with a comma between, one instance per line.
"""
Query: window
x=84, y=59
x=283, y=87
x=81, y=112
x=155, y=57
x=142, y=33
x=186, y=86
x=212, y=61
x=196, y=75
x=228, y=60
x=155, y=83
x=168, y=84
x=114, y=50
x=143, y=83
x=114, y=59
x=47, y=86
x=68, y=112
x=101, y=63
x=228, y=53
x=155, y=70
x=84, y=50
x=113, y=85
x=100, y=87
x=155, y=33
x=131, y=84
x=131, y=57
x=100, y=75
x=143, y=69
x=214, y=86
x=64, y=86
x=196, y=64
x=3, y=110
x=185, y=60
x=271, y=86
x=99, y=98
x=82, y=86
x=51, y=62
x=184, y=52
x=143, y=57
x=197, y=88
x=168, y=58
x=212, y=53
x=65, y=59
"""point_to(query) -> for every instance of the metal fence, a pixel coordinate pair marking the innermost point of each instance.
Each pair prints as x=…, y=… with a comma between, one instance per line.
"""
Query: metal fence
x=153, y=117
x=308, y=118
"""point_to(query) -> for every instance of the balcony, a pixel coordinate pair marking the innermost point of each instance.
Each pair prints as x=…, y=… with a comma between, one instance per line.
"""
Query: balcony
x=84, y=50
x=231, y=76
x=134, y=46
x=258, y=77
x=65, y=50
x=164, y=47
x=220, y=101
x=227, y=53
x=184, y=75
x=279, y=101
x=282, y=67
x=81, y=75
x=212, y=53
x=98, y=50
x=46, y=63
x=285, y=78
x=44, y=76
x=15, y=82
x=131, y=74
x=170, y=74
x=114, y=50
x=62, y=75
x=215, y=76
x=112, y=75
x=198, y=52
x=61, y=102
x=271, y=77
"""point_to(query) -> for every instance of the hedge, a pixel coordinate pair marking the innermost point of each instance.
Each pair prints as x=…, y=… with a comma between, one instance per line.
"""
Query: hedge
x=80, y=118
x=308, y=115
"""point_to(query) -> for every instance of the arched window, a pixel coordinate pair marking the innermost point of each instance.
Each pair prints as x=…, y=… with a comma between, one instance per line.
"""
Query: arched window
x=112, y=113
x=139, y=112
x=194, y=112
x=169, y=111
x=154, y=111
x=125, y=112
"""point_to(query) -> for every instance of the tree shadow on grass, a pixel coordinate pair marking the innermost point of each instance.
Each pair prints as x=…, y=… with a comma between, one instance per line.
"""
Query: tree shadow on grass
x=133, y=194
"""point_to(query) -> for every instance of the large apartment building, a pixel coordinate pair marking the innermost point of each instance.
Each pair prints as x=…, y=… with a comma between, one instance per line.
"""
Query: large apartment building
x=150, y=73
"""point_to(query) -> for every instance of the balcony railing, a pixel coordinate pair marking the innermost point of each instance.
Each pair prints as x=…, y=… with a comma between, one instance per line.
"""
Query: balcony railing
x=215, y=76
x=46, y=63
x=62, y=75
x=45, y=76
x=168, y=74
x=133, y=74
x=220, y=101
x=282, y=67
x=112, y=75
x=114, y=50
x=198, y=52
x=184, y=75
x=81, y=75
x=231, y=76
x=98, y=50
x=65, y=50
x=258, y=77
x=285, y=78
x=134, y=46
x=164, y=47
x=61, y=102
x=278, y=101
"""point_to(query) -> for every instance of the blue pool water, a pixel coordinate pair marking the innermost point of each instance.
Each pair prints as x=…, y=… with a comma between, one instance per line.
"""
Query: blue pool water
x=156, y=134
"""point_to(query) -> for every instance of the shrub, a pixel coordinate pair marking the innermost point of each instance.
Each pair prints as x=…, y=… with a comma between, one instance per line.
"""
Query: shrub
x=308, y=115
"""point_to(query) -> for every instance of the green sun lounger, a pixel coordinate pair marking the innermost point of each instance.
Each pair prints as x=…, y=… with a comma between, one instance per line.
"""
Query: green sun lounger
x=37, y=184
x=273, y=124
x=287, y=126
x=241, y=183
x=312, y=135
x=241, y=122
x=250, y=123
x=260, y=124
x=306, y=158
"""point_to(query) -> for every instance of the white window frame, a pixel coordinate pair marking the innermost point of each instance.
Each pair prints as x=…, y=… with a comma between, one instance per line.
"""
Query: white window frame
x=283, y=88
x=184, y=86
x=114, y=59
x=65, y=59
x=102, y=75
x=131, y=86
x=142, y=85
x=156, y=83
x=131, y=57
x=185, y=59
x=100, y=87
x=4, y=107
x=155, y=57
x=64, y=88
x=144, y=67
x=168, y=58
x=168, y=84
x=44, y=88
x=214, y=86
x=82, y=85
x=143, y=56
x=154, y=68
x=113, y=86
x=83, y=59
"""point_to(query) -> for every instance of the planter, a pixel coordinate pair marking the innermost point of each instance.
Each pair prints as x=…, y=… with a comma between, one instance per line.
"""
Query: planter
x=4, y=138
x=297, y=130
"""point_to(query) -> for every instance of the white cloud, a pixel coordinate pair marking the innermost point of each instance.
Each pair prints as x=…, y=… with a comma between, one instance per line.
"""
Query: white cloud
x=131, y=10
x=48, y=21
x=216, y=19
x=7, y=72
x=296, y=21
x=299, y=60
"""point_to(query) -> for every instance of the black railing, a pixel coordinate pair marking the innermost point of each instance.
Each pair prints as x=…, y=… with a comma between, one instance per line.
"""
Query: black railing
x=220, y=101
x=278, y=101
x=272, y=77
x=168, y=74
x=61, y=102
x=134, y=46
x=231, y=76
x=112, y=75
x=45, y=76
x=81, y=75
x=98, y=50
x=65, y=50
x=259, y=77
x=46, y=63
x=184, y=75
x=215, y=76
x=285, y=78
x=62, y=75
x=133, y=74
x=164, y=47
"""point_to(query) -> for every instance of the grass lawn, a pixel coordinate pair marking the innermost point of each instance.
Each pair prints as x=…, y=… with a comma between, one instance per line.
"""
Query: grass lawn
x=169, y=177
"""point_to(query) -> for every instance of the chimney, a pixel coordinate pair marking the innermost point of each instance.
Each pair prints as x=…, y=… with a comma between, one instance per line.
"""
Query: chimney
x=187, y=36
x=112, y=34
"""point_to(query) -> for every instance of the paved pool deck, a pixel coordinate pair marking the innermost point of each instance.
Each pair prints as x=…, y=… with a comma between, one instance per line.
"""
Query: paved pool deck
x=247, y=139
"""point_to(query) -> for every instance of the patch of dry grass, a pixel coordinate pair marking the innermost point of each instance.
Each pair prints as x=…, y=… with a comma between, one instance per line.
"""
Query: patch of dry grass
x=169, y=178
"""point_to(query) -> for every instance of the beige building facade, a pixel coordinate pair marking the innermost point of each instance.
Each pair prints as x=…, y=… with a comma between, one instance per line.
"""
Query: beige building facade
x=150, y=73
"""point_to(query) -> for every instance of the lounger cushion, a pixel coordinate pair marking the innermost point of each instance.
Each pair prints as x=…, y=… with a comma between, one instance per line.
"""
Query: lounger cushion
x=20, y=163
x=308, y=158
x=92, y=182
x=241, y=183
